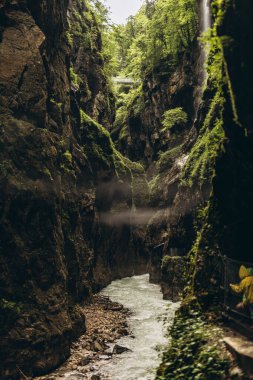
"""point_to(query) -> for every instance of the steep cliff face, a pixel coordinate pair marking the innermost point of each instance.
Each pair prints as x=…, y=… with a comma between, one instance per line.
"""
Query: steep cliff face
x=56, y=163
x=223, y=150
x=226, y=225
x=118, y=247
x=37, y=296
x=233, y=185
x=89, y=82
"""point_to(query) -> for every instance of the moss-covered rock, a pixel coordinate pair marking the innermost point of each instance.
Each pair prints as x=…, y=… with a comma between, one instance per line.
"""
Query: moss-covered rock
x=90, y=85
x=174, y=276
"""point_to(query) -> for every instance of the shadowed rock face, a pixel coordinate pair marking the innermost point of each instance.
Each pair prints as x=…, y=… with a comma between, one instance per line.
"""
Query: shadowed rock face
x=224, y=225
x=45, y=264
x=23, y=81
x=53, y=161
x=233, y=187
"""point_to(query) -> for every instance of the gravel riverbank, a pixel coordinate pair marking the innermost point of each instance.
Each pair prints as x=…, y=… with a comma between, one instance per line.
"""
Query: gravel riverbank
x=106, y=322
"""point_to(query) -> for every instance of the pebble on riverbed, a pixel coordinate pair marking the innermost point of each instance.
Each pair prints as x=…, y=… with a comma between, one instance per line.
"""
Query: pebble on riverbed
x=106, y=321
x=117, y=349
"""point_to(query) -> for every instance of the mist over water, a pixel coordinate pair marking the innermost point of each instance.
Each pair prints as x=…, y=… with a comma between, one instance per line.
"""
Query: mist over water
x=143, y=216
x=137, y=217
x=147, y=324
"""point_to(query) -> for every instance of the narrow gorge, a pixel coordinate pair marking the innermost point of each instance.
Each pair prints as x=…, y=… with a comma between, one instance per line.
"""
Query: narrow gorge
x=125, y=149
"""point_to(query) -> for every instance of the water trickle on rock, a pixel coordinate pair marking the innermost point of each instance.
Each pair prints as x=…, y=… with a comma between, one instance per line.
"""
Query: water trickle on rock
x=147, y=323
x=205, y=24
x=205, y=15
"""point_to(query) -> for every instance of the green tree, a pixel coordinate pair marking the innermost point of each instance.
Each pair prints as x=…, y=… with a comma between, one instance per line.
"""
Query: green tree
x=173, y=117
x=161, y=29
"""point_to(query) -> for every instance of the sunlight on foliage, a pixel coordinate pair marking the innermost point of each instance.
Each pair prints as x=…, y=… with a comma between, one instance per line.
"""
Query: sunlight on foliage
x=160, y=29
x=173, y=117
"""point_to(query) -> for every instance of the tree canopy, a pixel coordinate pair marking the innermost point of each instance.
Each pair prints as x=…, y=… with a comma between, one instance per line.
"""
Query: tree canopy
x=161, y=28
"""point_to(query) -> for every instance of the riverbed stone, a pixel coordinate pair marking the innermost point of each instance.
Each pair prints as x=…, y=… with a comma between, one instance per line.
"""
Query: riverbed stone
x=90, y=351
x=117, y=349
x=97, y=346
x=95, y=377
x=123, y=331
x=85, y=361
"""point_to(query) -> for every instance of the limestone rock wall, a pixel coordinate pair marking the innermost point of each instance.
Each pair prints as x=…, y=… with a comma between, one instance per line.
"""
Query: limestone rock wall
x=89, y=83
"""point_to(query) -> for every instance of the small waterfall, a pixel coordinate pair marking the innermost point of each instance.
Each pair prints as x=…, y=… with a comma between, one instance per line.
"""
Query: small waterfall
x=205, y=15
x=205, y=24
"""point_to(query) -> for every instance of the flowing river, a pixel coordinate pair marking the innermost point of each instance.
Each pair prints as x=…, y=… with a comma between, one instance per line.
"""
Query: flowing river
x=149, y=321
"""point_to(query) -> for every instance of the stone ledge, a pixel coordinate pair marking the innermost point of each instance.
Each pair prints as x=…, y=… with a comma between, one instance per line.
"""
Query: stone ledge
x=242, y=350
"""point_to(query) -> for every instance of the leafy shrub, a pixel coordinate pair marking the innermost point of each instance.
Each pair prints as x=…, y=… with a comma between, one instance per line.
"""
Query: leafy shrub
x=192, y=354
x=173, y=117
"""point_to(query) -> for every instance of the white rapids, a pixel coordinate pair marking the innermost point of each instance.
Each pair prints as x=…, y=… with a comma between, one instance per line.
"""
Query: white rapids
x=205, y=15
x=149, y=321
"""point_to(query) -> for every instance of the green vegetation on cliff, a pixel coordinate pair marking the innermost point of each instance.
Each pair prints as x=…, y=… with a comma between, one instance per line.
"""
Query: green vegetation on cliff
x=200, y=166
x=208, y=149
x=195, y=352
x=150, y=48
x=173, y=117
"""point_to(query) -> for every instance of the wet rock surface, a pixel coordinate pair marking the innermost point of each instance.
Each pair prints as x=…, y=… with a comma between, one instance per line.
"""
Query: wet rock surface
x=106, y=322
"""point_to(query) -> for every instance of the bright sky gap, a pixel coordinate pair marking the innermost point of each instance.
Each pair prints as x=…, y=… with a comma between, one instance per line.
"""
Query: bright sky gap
x=122, y=9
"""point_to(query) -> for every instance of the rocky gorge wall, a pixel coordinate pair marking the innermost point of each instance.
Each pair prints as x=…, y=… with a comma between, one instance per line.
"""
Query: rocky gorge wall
x=226, y=221
x=59, y=174
x=170, y=84
x=218, y=166
x=223, y=224
x=203, y=169
x=177, y=188
x=206, y=159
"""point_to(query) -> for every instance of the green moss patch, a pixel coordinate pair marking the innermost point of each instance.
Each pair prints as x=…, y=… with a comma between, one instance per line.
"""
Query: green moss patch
x=166, y=159
x=173, y=117
x=102, y=154
x=193, y=355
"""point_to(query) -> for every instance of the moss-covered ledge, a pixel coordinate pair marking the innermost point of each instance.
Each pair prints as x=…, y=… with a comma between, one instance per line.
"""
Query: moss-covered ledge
x=195, y=351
